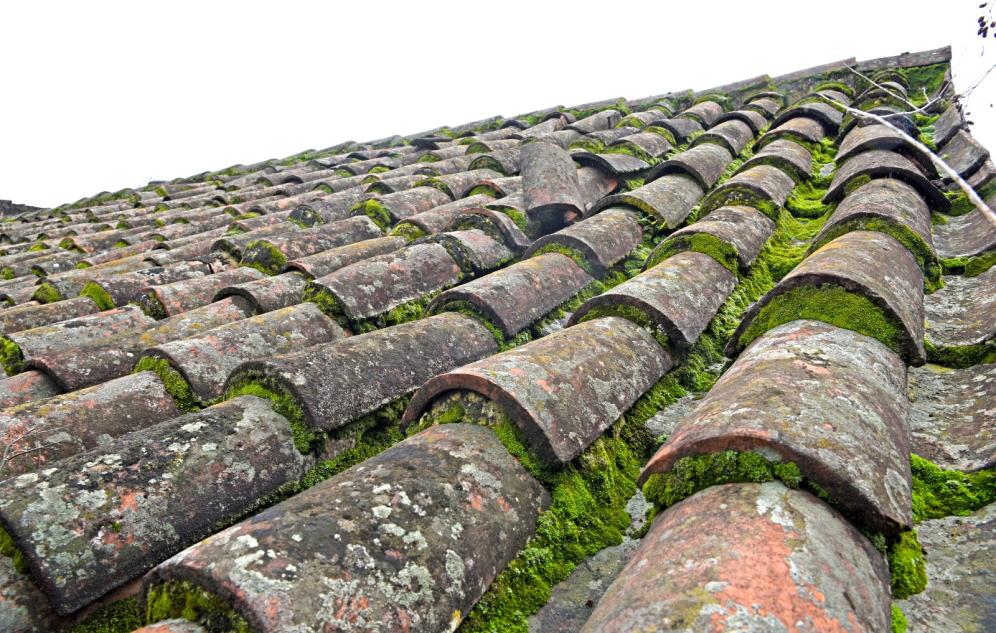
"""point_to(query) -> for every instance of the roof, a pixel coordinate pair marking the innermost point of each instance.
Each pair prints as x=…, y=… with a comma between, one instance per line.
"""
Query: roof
x=705, y=360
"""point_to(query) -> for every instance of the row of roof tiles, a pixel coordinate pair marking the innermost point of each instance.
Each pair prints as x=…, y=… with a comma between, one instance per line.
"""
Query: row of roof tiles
x=112, y=479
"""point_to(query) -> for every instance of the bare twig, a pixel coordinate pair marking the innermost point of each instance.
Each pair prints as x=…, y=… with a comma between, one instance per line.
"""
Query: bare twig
x=979, y=203
x=892, y=94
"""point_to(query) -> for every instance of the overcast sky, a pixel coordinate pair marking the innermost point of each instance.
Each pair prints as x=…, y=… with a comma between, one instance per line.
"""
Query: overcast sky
x=104, y=95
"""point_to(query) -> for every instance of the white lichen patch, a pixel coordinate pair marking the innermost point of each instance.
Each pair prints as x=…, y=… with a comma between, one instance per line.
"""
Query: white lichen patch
x=455, y=571
x=193, y=427
x=381, y=512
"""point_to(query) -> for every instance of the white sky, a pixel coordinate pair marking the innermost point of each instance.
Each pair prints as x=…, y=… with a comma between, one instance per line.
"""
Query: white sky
x=103, y=95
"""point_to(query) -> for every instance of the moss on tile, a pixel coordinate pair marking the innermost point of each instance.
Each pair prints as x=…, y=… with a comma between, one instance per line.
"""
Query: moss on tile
x=898, y=623
x=486, y=161
x=122, y=616
x=831, y=304
x=939, y=493
x=960, y=356
x=38, y=247
x=588, y=144
x=587, y=511
x=374, y=210
x=960, y=204
x=632, y=314
x=410, y=232
x=99, y=296
x=185, y=600
x=631, y=149
x=734, y=194
x=907, y=565
x=969, y=266
x=806, y=200
x=574, y=254
x=264, y=257
x=7, y=273
x=667, y=134
x=10, y=550
x=151, y=305
x=369, y=434
x=174, y=382
x=920, y=78
x=922, y=252
x=435, y=183
x=307, y=440
x=708, y=244
x=695, y=473
x=47, y=293
x=484, y=190
x=468, y=309
x=11, y=356
x=834, y=85
x=330, y=305
x=856, y=183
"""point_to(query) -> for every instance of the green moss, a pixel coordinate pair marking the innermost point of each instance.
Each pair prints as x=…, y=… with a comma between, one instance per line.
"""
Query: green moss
x=899, y=623
x=151, y=305
x=38, y=247
x=47, y=293
x=960, y=204
x=486, y=161
x=517, y=216
x=11, y=356
x=630, y=313
x=938, y=219
x=484, y=190
x=475, y=147
x=410, y=232
x=185, y=600
x=264, y=257
x=694, y=473
x=960, y=356
x=7, y=273
x=10, y=550
x=328, y=304
x=429, y=157
x=631, y=149
x=806, y=201
x=921, y=251
x=831, y=304
x=659, y=131
x=374, y=210
x=979, y=264
x=737, y=195
x=834, y=85
x=574, y=254
x=369, y=435
x=969, y=266
x=724, y=253
x=587, y=511
x=922, y=78
x=122, y=616
x=99, y=296
x=907, y=566
x=588, y=144
x=306, y=439
x=378, y=169
x=435, y=183
x=176, y=385
x=939, y=493
x=856, y=183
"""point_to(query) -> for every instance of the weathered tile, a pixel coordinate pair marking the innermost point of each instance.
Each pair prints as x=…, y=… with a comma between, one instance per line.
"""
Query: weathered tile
x=375, y=547
x=751, y=557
